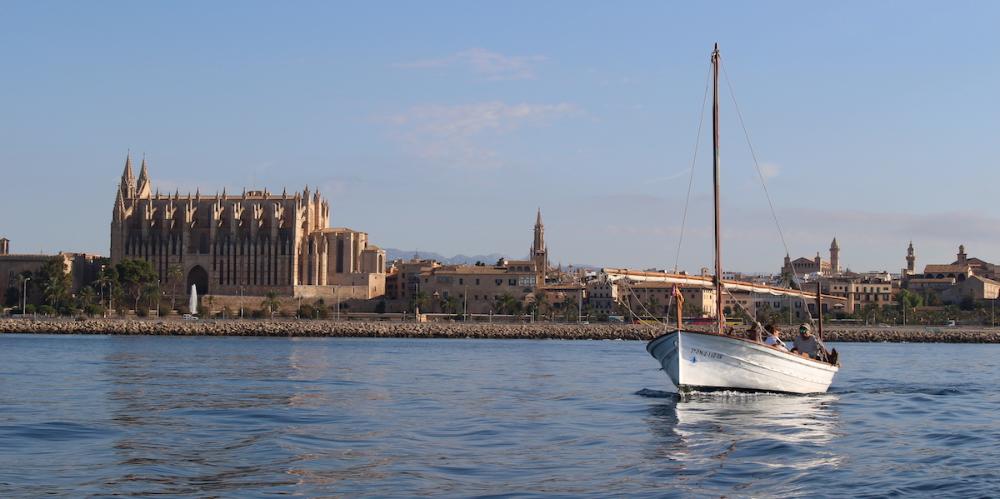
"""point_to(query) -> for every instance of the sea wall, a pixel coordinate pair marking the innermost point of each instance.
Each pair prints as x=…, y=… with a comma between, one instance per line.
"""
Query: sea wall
x=371, y=329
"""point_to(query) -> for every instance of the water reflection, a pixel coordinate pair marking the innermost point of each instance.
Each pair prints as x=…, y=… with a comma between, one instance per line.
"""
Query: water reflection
x=730, y=442
x=192, y=419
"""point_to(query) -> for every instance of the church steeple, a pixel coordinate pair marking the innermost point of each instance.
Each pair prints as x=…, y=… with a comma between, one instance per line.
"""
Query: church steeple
x=539, y=255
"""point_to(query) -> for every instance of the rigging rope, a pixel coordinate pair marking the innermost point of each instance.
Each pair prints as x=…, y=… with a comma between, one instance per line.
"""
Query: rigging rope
x=630, y=290
x=763, y=182
x=753, y=153
x=694, y=159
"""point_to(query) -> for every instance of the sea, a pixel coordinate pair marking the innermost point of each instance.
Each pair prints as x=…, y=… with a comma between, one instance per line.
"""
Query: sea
x=100, y=416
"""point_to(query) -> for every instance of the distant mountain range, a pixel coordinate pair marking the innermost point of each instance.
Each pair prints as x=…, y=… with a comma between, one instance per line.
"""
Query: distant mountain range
x=394, y=254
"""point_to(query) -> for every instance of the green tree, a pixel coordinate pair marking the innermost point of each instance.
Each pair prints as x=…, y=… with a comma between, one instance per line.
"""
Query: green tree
x=175, y=276
x=55, y=283
x=421, y=301
x=87, y=297
x=107, y=284
x=542, y=302
x=134, y=275
x=270, y=303
x=451, y=305
x=569, y=306
x=506, y=304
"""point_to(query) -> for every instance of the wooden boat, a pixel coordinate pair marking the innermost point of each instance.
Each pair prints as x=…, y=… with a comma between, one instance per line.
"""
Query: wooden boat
x=713, y=361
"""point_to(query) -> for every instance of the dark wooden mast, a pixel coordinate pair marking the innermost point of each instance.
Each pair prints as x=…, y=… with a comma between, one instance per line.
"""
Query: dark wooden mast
x=715, y=181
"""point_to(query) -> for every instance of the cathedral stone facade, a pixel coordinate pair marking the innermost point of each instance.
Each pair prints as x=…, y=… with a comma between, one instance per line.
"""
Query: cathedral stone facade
x=245, y=244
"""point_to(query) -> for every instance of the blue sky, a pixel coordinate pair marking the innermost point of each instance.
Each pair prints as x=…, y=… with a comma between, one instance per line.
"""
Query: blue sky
x=443, y=125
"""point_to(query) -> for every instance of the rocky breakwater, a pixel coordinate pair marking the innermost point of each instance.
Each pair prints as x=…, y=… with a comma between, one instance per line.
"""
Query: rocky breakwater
x=372, y=329
x=319, y=328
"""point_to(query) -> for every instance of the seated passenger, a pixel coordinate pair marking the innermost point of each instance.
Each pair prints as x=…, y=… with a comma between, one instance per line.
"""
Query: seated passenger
x=774, y=338
x=805, y=343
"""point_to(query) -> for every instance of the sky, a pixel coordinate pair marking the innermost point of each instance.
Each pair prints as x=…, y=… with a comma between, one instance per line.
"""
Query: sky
x=442, y=126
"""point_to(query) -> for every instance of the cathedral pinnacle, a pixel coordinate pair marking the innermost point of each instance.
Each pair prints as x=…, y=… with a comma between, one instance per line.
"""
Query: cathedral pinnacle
x=144, y=189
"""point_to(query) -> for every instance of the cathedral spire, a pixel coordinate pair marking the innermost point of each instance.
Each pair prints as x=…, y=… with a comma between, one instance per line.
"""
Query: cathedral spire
x=538, y=219
x=127, y=185
x=144, y=189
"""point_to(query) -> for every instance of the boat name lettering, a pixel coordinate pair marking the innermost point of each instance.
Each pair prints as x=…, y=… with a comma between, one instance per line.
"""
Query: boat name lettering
x=704, y=353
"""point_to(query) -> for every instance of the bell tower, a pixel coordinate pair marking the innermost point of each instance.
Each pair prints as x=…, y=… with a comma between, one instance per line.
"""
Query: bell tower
x=539, y=254
x=834, y=257
x=911, y=259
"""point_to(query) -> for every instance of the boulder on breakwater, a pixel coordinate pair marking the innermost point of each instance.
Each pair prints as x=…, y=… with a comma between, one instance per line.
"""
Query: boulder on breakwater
x=373, y=329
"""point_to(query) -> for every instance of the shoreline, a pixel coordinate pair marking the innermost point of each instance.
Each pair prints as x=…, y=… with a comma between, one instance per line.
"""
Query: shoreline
x=477, y=330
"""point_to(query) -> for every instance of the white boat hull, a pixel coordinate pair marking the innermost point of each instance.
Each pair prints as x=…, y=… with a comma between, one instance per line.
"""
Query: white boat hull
x=704, y=361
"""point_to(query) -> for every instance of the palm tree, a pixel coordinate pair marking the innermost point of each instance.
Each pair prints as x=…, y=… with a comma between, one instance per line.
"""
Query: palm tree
x=451, y=305
x=87, y=296
x=541, y=302
x=151, y=295
x=174, y=276
x=569, y=308
x=506, y=304
x=270, y=302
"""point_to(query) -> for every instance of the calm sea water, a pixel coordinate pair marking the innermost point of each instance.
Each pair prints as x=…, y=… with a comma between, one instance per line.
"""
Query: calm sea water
x=247, y=417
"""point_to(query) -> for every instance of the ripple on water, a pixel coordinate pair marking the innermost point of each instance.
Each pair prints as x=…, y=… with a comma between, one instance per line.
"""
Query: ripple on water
x=340, y=417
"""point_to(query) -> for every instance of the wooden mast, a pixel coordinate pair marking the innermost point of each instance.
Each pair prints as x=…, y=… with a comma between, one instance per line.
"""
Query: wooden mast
x=715, y=181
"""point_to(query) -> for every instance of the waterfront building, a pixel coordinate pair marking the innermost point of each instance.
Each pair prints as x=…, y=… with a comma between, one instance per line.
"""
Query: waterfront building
x=402, y=281
x=802, y=267
x=656, y=298
x=82, y=268
x=602, y=295
x=477, y=289
x=956, y=281
x=248, y=243
x=859, y=290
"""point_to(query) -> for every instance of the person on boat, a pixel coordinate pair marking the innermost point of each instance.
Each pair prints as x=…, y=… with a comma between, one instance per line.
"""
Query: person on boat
x=806, y=343
x=774, y=338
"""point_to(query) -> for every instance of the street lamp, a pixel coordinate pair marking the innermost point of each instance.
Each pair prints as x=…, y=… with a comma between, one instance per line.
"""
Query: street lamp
x=24, y=295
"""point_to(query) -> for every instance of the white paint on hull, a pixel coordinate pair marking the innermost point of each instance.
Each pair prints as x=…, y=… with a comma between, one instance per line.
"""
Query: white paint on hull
x=695, y=360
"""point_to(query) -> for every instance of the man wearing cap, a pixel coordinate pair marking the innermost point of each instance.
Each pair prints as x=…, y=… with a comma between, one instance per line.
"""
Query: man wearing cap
x=806, y=343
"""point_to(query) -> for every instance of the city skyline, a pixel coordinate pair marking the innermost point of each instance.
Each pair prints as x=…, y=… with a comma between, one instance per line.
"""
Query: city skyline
x=438, y=128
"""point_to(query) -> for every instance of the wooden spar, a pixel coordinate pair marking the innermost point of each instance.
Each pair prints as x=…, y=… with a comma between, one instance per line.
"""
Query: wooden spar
x=715, y=182
x=819, y=310
x=679, y=298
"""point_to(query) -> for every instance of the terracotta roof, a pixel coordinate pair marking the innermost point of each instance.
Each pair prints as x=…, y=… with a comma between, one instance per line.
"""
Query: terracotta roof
x=936, y=268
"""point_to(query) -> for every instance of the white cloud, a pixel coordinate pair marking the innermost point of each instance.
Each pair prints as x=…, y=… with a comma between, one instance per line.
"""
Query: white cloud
x=492, y=65
x=769, y=170
x=455, y=134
